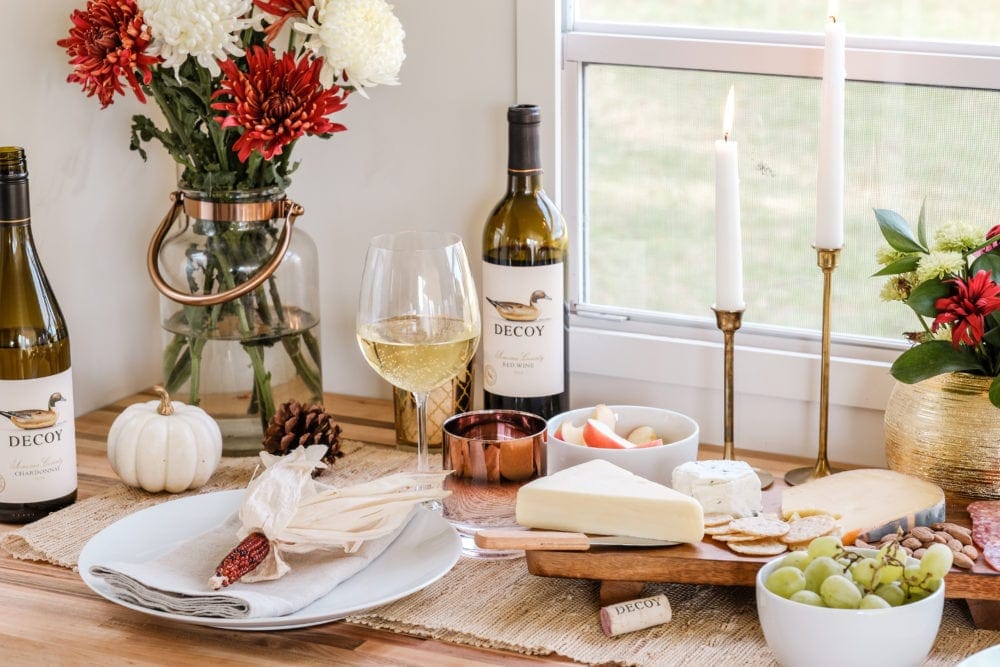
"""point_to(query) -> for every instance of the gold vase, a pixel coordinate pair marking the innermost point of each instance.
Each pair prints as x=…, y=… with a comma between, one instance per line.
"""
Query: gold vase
x=945, y=430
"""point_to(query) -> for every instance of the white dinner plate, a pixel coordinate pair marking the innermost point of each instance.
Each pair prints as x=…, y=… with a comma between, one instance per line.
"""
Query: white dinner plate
x=989, y=657
x=424, y=552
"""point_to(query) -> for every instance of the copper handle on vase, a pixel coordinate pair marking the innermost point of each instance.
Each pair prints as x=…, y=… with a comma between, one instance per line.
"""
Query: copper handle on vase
x=284, y=208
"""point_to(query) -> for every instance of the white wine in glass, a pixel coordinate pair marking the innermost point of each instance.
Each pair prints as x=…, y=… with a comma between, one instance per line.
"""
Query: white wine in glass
x=418, y=315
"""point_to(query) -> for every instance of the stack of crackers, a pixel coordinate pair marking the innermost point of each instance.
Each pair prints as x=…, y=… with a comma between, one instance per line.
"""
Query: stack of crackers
x=767, y=535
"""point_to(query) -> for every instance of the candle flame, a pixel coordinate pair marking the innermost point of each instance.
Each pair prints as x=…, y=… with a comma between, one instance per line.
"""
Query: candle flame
x=727, y=118
x=832, y=10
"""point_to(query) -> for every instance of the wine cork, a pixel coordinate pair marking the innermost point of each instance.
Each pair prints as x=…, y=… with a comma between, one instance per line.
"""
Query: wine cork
x=617, y=619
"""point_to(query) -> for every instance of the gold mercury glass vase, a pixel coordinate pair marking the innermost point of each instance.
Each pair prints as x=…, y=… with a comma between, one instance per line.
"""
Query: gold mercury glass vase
x=945, y=430
x=447, y=400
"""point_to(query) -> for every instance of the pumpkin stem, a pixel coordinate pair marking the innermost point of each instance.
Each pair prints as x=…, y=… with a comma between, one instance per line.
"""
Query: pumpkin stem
x=164, y=408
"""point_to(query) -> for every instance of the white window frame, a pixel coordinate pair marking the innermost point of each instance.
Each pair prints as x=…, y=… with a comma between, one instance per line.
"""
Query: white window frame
x=623, y=355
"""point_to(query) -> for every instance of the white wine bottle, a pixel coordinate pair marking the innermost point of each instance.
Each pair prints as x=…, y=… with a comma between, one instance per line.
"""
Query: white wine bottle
x=525, y=333
x=37, y=434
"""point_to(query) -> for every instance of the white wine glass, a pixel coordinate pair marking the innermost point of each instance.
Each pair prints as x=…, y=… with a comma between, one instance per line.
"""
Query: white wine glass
x=418, y=315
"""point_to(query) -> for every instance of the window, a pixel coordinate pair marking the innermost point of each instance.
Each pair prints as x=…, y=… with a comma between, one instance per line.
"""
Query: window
x=642, y=86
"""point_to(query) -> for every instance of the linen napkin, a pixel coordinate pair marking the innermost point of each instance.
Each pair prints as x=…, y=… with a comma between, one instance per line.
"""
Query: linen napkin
x=177, y=581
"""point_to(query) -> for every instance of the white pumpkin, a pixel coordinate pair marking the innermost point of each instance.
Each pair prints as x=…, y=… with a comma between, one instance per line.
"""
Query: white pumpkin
x=164, y=445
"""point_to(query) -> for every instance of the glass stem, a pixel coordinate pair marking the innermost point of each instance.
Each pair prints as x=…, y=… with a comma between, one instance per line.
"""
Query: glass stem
x=423, y=458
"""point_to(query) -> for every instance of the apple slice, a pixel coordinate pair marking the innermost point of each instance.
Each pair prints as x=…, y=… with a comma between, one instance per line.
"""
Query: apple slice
x=605, y=415
x=641, y=435
x=598, y=434
x=651, y=443
x=570, y=434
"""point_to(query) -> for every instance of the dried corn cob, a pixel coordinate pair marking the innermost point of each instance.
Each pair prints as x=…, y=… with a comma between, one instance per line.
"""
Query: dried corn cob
x=244, y=557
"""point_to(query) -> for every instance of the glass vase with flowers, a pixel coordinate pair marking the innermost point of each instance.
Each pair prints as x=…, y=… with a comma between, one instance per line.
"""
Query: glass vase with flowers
x=237, y=83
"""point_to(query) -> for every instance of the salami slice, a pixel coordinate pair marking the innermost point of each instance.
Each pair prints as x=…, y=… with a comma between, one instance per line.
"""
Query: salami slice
x=991, y=553
x=986, y=529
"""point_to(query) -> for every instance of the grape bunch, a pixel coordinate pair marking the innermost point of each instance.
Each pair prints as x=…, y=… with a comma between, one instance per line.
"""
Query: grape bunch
x=828, y=575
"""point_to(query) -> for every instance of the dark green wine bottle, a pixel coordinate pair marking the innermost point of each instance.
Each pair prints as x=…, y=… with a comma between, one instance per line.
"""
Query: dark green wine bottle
x=525, y=325
x=37, y=434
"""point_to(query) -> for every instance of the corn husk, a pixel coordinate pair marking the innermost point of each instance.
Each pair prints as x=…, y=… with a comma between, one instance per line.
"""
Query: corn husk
x=299, y=514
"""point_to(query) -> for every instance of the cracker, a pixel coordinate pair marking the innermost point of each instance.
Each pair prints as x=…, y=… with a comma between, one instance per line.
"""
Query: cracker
x=809, y=528
x=719, y=530
x=759, y=526
x=765, y=547
x=735, y=537
x=718, y=519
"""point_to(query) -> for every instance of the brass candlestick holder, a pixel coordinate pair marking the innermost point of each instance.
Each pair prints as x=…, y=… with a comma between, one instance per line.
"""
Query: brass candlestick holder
x=729, y=321
x=827, y=259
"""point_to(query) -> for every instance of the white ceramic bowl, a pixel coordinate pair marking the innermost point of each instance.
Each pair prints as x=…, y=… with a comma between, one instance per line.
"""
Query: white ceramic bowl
x=803, y=635
x=679, y=433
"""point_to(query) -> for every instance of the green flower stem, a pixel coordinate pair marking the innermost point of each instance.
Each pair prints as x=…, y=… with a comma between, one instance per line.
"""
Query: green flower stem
x=988, y=242
x=262, y=379
x=176, y=126
x=302, y=366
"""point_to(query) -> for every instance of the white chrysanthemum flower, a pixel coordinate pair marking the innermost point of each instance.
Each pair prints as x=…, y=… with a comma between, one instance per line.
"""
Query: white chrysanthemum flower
x=940, y=264
x=897, y=288
x=958, y=235
x=206, y=29
x=943, y=332
x=886, y=255
x=361, y=42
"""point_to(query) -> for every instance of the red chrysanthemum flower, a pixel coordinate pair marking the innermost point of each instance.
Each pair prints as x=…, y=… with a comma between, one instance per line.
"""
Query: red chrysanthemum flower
x=106, y=44
x=283, y=10
x=276, y=101
x=966, y=311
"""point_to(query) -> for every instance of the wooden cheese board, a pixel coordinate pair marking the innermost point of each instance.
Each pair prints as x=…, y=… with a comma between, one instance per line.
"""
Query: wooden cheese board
x=623, y=571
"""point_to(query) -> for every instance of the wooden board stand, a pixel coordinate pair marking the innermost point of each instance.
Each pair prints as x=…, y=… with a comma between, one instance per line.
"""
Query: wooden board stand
x=623, y=571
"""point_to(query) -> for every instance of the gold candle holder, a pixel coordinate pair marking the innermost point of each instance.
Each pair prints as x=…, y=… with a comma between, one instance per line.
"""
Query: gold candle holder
x=827, y=260
x=728, y=322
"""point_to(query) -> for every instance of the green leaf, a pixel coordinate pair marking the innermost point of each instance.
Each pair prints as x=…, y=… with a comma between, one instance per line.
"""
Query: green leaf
x=933, y=358
x=897, y=231
x=923, y=297
x=986, y=262
x=992, y=333
x=922, y=225
x=904, y=265
x=995, y=392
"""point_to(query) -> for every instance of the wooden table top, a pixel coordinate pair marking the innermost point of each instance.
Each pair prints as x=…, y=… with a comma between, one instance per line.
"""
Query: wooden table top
x=51, y=617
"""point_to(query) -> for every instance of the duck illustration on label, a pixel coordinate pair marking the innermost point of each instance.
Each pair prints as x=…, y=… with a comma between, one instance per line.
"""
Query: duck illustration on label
x=35, y=418
x=515, y=311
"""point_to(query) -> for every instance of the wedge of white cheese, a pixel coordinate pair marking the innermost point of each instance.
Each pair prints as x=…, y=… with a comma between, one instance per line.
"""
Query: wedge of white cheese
x=869, y=503
x=599, y=497
x=722, y=487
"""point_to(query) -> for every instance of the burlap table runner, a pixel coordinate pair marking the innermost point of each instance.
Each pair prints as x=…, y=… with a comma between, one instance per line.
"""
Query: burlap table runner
x=498, y=604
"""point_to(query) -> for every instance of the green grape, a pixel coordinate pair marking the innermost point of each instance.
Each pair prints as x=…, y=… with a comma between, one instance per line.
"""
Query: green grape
x=872, y=601
x=819, y=569
x=799, y=559
x=864, y=573
x=785, y=581
x=936, y=561
x=828, y=545
x=916, y=594
x=890, y=572
x=840, y=592
x=912, y=575
x=807, y=597
x=891, y=593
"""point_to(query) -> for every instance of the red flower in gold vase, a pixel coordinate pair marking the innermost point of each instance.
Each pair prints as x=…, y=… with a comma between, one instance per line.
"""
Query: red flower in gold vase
x=283, y=10
x=275, y=102
x=966, y=310
x=106, y=44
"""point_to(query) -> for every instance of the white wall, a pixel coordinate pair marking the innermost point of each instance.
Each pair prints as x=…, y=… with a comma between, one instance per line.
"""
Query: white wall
x=427, y=154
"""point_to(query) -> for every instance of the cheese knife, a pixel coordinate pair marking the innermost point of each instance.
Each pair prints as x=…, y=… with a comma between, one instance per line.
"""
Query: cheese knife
x=554, y=540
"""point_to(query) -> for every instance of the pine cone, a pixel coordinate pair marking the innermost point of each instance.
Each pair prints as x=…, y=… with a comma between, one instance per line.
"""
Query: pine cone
x=295, y=425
